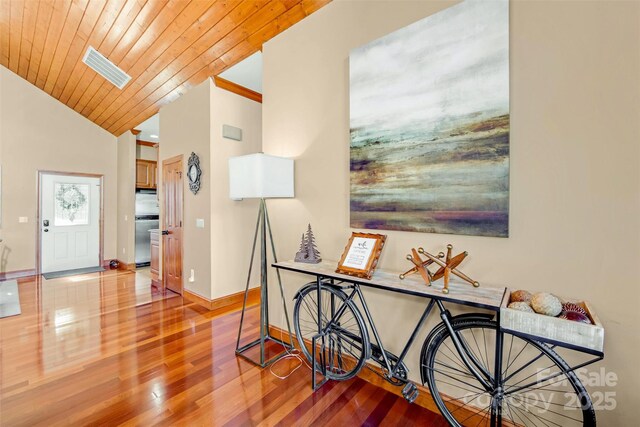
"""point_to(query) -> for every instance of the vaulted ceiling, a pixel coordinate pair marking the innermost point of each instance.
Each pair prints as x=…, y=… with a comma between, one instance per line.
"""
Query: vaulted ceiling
x=166, y=46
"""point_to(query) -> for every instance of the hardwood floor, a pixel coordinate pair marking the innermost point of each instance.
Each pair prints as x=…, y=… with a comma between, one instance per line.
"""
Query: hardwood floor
x=101, y=349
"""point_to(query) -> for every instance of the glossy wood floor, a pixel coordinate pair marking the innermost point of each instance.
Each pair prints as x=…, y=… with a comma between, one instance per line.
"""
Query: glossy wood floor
x=101, y=349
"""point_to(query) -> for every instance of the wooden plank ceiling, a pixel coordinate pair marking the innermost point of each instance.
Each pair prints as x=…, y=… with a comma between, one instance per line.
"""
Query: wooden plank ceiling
x=166, y=46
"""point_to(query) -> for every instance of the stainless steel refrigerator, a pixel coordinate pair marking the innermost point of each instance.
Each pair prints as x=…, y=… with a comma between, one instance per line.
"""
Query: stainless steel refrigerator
x=147, y=218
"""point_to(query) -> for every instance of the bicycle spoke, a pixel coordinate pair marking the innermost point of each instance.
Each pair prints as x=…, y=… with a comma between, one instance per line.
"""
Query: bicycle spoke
x=465, y=373
x=462, y=388
x=522, y=400
x=486, y=353
x=530, y=385
x=475, y=413
x=455, y=355
x=547, y=420
x=516, y=358
x=513, y=413
x=504, y=374
x=456, y=379
x=526, y=415
x=535, y=373
x=478, y=347
x=475, y=396
x=524, y=366
x=482, y=419
x=478, y=361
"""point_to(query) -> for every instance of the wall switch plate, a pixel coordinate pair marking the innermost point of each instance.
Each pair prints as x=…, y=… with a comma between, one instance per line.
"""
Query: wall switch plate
x=23, y=219
x=199, y=223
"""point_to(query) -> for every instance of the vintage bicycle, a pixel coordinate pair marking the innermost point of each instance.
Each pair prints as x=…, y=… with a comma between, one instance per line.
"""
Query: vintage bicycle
x=477, y=372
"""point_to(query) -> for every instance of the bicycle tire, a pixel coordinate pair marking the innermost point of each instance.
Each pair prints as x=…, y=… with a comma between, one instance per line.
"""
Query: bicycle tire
x=448, y=377
x=347, y=342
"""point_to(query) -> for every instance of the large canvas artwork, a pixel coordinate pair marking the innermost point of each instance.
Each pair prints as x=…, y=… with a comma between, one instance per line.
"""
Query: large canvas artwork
x=430, y=125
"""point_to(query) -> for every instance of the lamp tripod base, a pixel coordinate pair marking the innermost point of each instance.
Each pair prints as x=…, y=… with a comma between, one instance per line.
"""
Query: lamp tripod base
x=266, y=341
x=263, y=343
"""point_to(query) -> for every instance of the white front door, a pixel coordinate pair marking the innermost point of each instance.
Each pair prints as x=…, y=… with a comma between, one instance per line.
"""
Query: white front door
x=70, y=222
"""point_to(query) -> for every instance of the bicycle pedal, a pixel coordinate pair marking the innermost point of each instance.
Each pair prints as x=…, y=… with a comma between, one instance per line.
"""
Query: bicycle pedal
x=410, y=392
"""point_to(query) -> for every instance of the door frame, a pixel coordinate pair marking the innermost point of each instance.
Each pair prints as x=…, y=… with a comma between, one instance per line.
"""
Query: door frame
x=39, y=214
x=173, y=159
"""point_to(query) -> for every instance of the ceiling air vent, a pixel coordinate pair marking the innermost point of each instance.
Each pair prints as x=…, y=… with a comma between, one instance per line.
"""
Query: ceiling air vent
x=105, y=68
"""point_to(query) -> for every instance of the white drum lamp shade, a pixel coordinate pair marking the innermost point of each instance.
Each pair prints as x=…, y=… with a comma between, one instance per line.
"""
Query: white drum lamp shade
x=260, y=176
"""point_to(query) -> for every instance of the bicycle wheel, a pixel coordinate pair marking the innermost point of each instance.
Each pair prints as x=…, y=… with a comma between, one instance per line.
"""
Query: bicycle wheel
x=346, y=341
x=538, y=389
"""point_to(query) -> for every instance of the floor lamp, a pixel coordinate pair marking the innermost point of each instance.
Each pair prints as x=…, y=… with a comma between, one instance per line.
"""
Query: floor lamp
x=260, y=176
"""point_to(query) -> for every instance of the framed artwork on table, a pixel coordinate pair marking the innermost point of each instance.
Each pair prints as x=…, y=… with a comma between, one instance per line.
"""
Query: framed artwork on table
x=360, y=256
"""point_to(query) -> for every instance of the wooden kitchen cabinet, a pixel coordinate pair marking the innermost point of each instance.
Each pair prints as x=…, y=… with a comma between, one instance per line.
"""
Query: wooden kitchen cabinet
x=146, y=174
x=155, y=254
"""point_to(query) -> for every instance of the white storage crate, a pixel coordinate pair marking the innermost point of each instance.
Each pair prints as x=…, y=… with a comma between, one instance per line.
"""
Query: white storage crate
x=567, y=333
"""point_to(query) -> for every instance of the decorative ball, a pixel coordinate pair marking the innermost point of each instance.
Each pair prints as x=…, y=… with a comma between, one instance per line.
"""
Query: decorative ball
x=520, y=296
x=547, y=304
x=575, y=316
x=569, y=306
x=521, y=306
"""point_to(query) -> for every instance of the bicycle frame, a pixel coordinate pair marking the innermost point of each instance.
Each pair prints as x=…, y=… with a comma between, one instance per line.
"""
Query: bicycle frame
x=329, y=343
x=484, y=377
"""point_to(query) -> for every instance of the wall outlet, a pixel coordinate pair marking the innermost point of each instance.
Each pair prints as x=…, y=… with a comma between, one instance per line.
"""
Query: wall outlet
x=192, y=277
x=23, y=219
x=124, y=251
x=126, y=217
x=199, y=223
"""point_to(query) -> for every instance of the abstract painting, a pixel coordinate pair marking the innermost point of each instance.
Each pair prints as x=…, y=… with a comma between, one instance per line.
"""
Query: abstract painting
x=429, y=119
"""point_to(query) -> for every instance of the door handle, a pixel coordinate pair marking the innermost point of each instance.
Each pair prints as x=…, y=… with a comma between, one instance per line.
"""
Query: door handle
x=165, y=232
x=46, y=230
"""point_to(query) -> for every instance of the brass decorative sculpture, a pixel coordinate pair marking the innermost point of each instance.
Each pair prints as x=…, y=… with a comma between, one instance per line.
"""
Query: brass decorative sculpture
x=448, y=265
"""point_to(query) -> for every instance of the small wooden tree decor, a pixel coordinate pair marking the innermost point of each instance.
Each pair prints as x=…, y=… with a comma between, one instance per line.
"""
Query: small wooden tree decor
x=308, y=252
x=448, y=265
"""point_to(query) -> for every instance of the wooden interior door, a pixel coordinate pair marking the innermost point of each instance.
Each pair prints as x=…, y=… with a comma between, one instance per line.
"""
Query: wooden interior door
x=172, y=190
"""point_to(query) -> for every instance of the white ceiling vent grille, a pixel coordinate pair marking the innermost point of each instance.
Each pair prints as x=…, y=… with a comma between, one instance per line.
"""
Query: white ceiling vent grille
x=105, y=68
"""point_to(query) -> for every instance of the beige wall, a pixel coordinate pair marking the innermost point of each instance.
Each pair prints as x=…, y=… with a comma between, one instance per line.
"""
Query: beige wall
x=39, y=133
x=126, y=197
x=232, y=222
x=218, y=253
x=185, y=126
x=575, y=162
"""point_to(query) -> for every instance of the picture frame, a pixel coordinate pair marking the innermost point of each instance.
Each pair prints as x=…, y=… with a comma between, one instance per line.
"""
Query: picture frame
x=361, y=255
